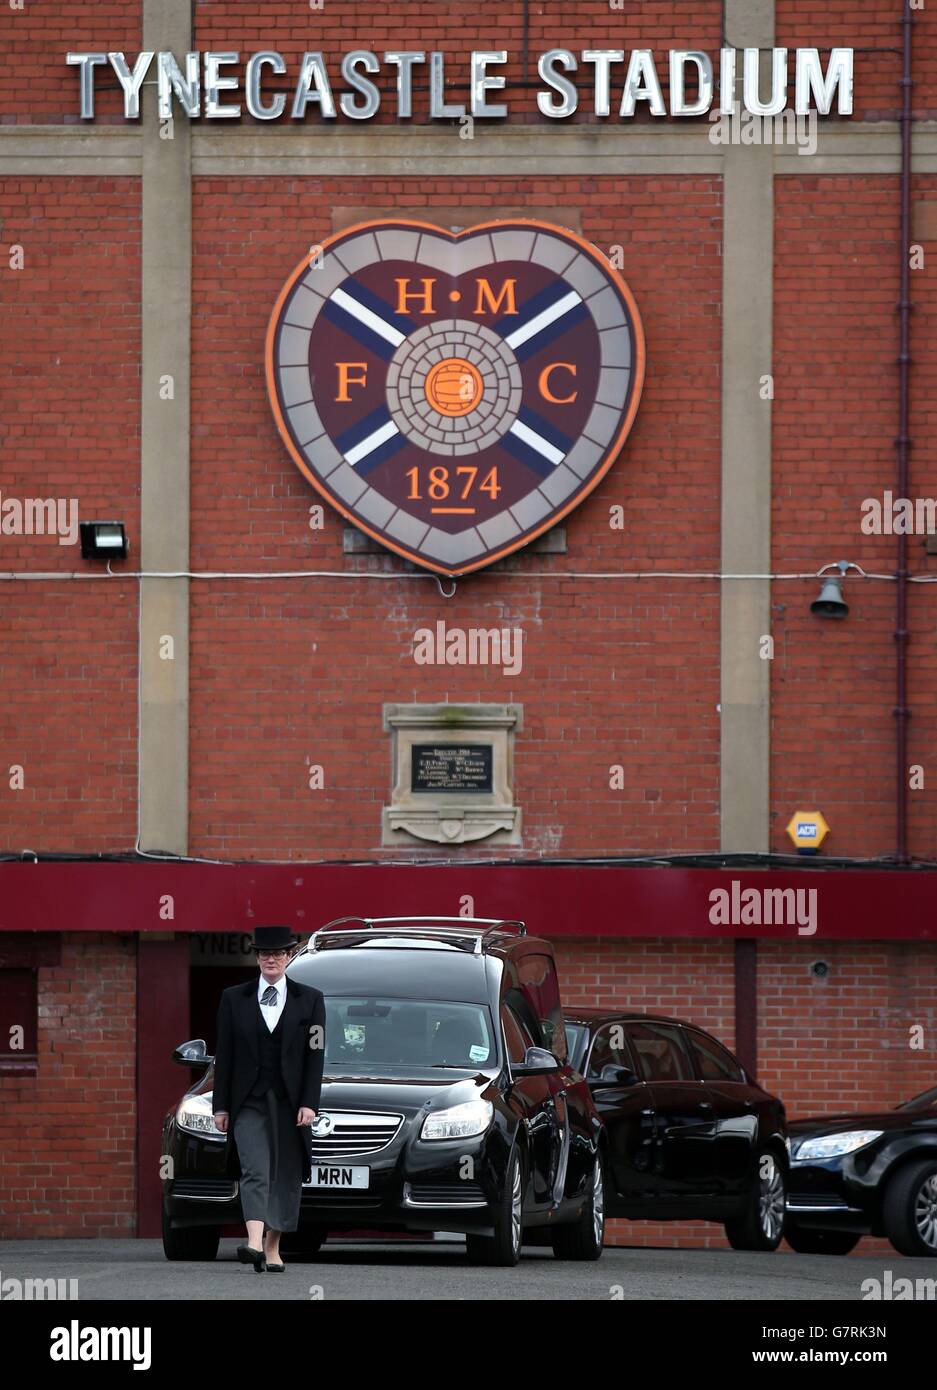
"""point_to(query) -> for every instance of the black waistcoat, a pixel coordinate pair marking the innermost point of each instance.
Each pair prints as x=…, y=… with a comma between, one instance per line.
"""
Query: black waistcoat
x=270, y=1076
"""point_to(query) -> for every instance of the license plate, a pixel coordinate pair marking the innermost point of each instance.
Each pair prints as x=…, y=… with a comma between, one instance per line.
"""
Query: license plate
x=337, y=1175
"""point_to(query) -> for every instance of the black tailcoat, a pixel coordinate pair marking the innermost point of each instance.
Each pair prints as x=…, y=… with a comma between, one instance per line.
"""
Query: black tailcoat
x=237, y=1060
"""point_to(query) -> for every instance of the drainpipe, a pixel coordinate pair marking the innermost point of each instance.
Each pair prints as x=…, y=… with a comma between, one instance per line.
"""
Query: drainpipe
x=903, y=443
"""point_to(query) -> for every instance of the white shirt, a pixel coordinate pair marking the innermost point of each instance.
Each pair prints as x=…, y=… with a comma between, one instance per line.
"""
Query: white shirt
x=271, y=1012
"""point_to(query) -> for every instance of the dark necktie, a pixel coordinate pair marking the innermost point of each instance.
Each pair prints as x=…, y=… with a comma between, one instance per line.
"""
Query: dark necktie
x=269, y=995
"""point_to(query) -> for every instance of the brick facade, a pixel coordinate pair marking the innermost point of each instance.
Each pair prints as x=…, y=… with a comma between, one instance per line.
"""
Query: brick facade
x=67, y=1134
x=286, y=672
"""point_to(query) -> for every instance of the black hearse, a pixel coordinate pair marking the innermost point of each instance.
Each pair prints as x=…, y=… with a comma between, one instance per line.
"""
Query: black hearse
x=448, y=1099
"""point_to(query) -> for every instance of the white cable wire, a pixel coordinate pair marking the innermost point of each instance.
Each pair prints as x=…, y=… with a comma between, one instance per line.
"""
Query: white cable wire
x=53, y=575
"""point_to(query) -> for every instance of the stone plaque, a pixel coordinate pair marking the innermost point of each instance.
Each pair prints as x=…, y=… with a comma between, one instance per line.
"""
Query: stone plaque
x=450, y=767
x=452, y=770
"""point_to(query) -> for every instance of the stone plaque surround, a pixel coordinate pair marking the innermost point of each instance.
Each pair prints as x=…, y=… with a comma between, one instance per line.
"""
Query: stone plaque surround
x=447, y=817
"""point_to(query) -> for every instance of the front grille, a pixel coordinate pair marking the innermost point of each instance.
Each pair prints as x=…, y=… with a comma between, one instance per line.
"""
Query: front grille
x=205, y=1189
x=355, y=1132
x=455, y=1193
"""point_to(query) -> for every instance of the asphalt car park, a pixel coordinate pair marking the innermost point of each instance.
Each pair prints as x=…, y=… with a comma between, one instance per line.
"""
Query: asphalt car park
x=438, y=1270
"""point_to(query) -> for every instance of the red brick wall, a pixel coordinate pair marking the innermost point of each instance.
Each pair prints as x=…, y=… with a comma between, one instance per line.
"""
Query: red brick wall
x=835, y=419
x=874, y=29
x=842, y=1043
x=68, y=1135
x=70, y=428
x=36, y=86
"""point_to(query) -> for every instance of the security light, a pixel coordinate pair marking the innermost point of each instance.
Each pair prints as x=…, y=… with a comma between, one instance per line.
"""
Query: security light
x=103, y=540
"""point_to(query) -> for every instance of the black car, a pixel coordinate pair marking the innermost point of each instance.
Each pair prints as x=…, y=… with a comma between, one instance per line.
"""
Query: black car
x=866, y=1174
x=448, y=1100
x=691, y=1136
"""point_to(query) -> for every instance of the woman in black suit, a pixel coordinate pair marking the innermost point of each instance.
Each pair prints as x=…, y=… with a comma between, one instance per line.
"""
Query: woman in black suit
x=268, y=1076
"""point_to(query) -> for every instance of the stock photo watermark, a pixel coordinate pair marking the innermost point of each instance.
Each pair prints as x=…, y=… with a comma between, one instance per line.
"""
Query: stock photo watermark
x=40, y=516
x=764, y=907
x=474, y=646
x=743, y=127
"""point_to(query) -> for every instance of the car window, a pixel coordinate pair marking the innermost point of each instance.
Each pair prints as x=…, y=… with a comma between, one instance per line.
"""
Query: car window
x=537, y=978
x=516, y=1037
x=714, y=1062
x=575, y=1032
x=609, y=1049
x=660, y=1052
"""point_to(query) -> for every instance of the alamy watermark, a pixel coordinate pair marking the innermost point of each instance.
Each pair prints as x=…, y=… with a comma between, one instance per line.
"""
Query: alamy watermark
x=898, y=516
x=888, y=1288
x=40, y=516
x=473, y=646
x=764, y=907
x=26, y=1290
x=747, y=128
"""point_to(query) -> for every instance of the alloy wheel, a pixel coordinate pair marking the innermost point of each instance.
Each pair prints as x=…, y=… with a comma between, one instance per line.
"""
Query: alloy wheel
x=771, y=1198
x=516, y=1197
x=598, y=1202
x=925, y=1211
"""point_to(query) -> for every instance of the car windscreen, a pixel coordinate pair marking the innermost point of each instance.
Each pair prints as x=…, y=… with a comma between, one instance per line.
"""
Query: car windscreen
x=374, y=1033
x=927, y=1100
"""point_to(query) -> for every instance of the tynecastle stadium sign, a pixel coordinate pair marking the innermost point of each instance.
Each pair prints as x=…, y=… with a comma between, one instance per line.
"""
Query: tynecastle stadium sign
x=224, y=85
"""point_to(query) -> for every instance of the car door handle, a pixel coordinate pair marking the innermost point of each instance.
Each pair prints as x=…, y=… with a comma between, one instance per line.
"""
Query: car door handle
x=647, y=1112
x=705, y=1105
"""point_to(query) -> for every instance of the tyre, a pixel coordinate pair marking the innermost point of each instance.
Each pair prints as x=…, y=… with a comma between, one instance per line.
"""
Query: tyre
x=583, y=1238
x=761, y=1223
x=196, y=1243
x=811, y=1242
x=504, y=1247
x=910, y=1210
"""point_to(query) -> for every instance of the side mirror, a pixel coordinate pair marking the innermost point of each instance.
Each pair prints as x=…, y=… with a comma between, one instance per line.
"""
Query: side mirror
x=612, y=1077
x=537, y=1062
x=192, y=1054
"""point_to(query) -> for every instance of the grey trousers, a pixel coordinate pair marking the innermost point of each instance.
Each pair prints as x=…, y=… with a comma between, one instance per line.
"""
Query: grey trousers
x=271, y=1162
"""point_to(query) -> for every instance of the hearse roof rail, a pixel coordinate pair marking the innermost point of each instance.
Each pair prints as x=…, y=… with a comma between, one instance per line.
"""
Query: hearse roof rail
x=472, y=929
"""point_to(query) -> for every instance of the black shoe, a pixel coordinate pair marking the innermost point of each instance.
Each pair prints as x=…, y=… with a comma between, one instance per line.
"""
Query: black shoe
x=275, y=1269
x=249, y=1256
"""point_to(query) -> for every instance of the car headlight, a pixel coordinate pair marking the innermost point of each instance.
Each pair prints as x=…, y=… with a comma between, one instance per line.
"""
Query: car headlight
x=194, y=1113
x=833, y=1145
x=459, y=1121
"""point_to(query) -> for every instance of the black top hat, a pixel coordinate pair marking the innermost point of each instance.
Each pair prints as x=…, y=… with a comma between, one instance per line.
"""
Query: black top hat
x=273, y=938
